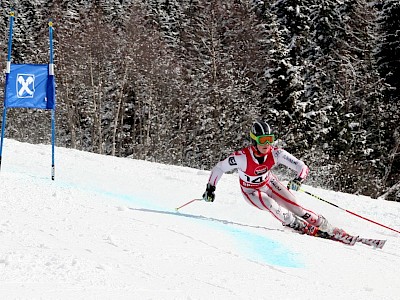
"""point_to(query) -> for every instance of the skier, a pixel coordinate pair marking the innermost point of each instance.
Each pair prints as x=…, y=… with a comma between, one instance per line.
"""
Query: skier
x=262, y=189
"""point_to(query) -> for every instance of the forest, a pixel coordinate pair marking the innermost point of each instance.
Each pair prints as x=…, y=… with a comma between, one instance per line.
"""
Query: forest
x=180, y=82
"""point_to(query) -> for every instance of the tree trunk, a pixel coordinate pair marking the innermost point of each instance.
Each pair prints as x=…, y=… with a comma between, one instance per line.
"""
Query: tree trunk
x=119, y=112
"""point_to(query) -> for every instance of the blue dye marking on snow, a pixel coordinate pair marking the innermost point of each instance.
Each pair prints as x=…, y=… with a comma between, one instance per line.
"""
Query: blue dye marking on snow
x=260, y=248
x=255, y=246
x=264, y=249
x=135, y=200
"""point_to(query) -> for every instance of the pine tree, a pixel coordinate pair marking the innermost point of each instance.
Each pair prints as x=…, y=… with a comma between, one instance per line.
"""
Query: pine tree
x=221, y=54
x=388, y=58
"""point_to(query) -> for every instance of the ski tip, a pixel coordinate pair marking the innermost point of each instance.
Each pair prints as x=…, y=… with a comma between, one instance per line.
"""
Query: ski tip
x=375, y=243
x=380, y=244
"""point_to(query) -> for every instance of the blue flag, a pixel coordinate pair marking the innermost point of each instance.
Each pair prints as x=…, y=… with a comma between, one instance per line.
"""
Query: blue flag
x=30, y=86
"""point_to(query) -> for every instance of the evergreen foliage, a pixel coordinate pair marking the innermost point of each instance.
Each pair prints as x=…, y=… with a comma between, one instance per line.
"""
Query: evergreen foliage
x=180, y=82
x=388, y=62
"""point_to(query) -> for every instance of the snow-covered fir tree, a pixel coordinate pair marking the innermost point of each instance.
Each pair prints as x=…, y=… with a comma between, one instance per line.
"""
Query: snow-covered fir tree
x=188, y=77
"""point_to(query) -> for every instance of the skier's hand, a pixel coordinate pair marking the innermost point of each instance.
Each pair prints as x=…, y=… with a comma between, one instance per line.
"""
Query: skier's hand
x=294, y=184
x=209, y=194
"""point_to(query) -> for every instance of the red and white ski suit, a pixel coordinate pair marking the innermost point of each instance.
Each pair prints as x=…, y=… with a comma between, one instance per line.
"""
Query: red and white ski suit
x=261, y=188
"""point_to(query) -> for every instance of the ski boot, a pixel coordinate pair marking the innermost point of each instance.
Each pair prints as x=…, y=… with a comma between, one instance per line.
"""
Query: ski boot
x=325, y=226
x=302, y=226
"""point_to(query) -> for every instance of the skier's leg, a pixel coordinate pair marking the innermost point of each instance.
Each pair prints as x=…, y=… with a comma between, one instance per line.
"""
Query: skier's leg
x=261, y=200
x=285, y=198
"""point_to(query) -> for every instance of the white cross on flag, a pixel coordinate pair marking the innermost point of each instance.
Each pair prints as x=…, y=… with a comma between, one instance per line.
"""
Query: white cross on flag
x=25, y=85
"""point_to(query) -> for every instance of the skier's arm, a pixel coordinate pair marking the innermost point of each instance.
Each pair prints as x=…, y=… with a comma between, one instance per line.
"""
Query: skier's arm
x=285, y=158
x=226, y=165
x=220, y=168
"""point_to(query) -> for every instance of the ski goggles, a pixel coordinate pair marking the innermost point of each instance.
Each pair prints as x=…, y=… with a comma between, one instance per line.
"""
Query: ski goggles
x=263, y=139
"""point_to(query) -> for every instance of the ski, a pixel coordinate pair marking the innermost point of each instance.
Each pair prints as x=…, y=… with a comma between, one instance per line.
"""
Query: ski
x=339, y=235
x=376, y=243
x=351, y=240
x=345, y=238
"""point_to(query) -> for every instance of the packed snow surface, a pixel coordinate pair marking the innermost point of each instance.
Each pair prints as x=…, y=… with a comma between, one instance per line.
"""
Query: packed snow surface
x=107, y=228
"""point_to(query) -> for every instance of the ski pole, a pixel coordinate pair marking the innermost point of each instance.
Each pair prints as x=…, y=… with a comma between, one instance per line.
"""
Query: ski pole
x=350, y=212
x=187, y=203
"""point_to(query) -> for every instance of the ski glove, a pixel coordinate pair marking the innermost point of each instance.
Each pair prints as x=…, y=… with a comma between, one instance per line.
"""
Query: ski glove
x=295, y=184
x=209, y=194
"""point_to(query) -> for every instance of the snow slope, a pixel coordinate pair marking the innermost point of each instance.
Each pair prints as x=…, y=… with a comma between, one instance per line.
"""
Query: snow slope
x=106, y=228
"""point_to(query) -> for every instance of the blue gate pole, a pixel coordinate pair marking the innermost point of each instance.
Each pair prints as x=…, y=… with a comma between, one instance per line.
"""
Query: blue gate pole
x=53, y=118
x=3, y=124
